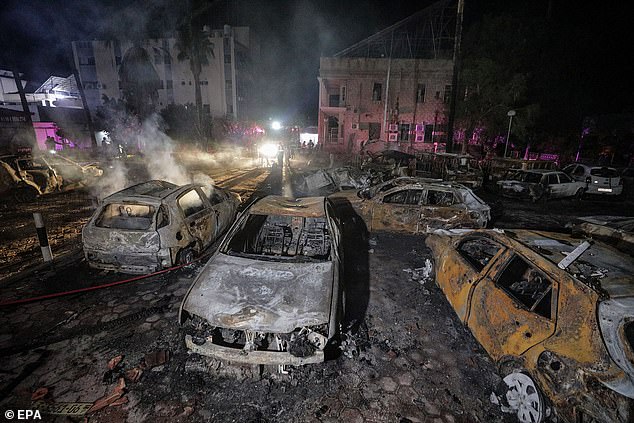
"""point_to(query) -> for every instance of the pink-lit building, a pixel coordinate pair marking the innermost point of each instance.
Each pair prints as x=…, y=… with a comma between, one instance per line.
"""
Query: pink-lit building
x=394, y=86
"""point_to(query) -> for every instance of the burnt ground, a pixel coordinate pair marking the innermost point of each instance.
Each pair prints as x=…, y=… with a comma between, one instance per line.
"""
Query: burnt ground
x=406, y=358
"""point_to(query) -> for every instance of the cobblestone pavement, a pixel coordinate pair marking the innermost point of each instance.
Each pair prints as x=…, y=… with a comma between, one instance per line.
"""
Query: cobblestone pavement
x=411, y=359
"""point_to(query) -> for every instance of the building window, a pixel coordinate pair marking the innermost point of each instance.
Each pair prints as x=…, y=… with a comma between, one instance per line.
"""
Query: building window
x=447, y=97
x=207, y=109
x=91, y=60
x=229, y=108
x=376, y=91
x=103, y=86
x=227, y=58
x=182, y=82
x=343, y=95
x=437, y=95
x=420, y=93
x=228, y=87
x=403, y=132
x=169, y=84
x=158, y=58
x=117, y=60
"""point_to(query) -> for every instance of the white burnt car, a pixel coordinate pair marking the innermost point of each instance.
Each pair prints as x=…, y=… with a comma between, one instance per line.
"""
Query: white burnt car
x=271, y=294
x=155, y=225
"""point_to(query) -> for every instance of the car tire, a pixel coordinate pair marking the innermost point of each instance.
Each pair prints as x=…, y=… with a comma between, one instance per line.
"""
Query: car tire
x=25, y=194
x=521, y=396
x=185, y=256
x=579, y=194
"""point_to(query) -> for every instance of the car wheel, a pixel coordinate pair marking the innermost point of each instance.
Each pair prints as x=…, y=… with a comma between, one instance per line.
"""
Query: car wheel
x=524, y=398
x=579, y=194
x=185, y=256
x=25, y=194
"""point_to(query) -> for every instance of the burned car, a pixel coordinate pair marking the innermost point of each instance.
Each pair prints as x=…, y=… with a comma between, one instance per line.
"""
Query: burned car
x=556, y=313
x=26, y=178
x=272, y=294
x=418, y=205
x=155, y=225
x=540, y=184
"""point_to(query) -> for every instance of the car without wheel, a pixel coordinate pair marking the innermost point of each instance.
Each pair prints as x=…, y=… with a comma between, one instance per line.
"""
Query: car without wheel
x=272, y=293
x=155, y=225
x=418, y=205
x=556, y=313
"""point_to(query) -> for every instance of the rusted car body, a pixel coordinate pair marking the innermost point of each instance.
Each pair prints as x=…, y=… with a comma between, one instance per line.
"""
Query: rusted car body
x=540, y=185
x=418, y=205
x=555, y=313
x=272, y=292
x=156, y=224
x=26, y=178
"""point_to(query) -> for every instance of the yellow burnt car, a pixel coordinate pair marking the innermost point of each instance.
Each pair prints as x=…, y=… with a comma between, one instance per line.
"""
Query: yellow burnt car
x=555, y=313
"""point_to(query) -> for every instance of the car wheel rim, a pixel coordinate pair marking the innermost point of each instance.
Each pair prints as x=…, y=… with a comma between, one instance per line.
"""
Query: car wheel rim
x=524, y=398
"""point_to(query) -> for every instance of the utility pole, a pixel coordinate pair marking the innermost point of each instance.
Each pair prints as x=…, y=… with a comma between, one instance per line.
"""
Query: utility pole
x=25, y=104
x=454, y=81
x=387, y=87
x=82, y=95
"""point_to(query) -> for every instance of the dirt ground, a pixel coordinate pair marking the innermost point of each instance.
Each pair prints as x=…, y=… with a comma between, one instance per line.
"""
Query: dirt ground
x=407, y=358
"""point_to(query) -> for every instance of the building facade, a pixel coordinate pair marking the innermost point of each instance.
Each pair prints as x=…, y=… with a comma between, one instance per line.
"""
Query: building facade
x=223, y=81
x=391, y=89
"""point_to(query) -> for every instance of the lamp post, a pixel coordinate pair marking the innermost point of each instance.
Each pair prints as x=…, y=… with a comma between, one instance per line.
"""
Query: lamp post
x=510, y=114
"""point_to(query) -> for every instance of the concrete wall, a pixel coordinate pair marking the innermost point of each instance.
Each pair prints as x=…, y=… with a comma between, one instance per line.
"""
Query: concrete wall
x=354, y=79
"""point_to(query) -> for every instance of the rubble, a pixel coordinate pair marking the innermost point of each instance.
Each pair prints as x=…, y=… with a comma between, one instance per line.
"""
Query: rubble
x=109, y=399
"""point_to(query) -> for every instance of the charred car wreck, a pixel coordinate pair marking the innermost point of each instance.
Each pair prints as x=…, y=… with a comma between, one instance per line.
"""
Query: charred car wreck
x=155, y=225
x=26, y=178
x=540, y=185
x=554, y=312
x=272, y=293
x=418, y=205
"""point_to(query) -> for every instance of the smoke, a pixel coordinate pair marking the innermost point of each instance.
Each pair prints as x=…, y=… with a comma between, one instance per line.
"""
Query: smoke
x=158, y=148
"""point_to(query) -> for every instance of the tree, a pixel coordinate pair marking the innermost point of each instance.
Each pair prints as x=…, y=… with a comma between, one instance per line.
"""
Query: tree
x=495, y=77
x=194, y=44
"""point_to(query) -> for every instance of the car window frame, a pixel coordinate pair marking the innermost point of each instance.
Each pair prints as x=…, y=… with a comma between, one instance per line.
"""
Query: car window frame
x=200, y=194
x=485, y=269
x=554, y=287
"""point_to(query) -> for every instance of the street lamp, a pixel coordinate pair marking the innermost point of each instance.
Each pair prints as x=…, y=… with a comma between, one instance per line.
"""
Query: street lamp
x=276, y=125
x=510, y=114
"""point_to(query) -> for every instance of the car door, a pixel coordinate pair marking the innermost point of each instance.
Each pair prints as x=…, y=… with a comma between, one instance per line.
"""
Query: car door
x=222, y=209
x=555, y=190
x=198, y=216
x=513, y=308
x=397, y=210
x=467, y=261
x=442, y=209
x=567, y=186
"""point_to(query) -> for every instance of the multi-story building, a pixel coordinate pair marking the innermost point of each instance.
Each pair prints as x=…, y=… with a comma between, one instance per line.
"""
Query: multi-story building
x=394, y=86
x=223, y=80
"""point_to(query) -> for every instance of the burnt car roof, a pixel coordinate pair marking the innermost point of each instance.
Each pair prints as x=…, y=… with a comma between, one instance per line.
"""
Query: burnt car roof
x=154, y=189
x=284, y=206
x=600, y=267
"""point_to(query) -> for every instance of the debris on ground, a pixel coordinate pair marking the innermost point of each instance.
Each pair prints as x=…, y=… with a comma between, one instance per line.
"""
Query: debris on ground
x=114, y=362
x=110, y=399
x=39, y=393
x=133, y=374
x=421, y=275
x=156, y=358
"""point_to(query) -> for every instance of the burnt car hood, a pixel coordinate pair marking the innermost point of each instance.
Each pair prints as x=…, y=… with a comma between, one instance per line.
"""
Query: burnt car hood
x=264, y=296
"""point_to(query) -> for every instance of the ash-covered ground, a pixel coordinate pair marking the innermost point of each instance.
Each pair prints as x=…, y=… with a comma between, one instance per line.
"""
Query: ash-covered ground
x=406, y=356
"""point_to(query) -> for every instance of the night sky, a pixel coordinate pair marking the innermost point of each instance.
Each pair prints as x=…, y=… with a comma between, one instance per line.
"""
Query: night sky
x=35, y=35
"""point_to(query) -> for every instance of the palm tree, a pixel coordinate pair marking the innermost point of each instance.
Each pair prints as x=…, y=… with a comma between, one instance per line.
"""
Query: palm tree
x=194, y=44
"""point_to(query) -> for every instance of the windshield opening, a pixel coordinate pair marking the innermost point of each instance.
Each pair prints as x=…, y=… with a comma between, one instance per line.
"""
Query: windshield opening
x=126, y=216
x=271, y=237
